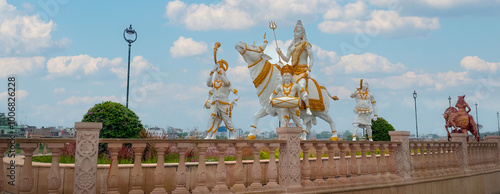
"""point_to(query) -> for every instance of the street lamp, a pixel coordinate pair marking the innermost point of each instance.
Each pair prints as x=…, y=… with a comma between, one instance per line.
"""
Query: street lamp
x=416, y=121
x=449, y=100
x=477, y=119
x=130, y=35
x=498, y=120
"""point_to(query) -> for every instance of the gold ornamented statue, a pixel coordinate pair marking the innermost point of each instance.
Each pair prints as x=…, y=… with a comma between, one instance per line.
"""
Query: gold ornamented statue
x=218, y=101
x=286, y=97
x=363, y=112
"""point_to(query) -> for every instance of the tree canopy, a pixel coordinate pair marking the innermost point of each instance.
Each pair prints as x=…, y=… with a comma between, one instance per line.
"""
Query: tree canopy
x=117, y=120
x=380, y=130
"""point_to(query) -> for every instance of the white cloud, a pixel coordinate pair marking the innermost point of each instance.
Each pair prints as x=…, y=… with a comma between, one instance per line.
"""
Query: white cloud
x=187, y=47
x=477, y=64
x=348, y=12
x=239, y=74
x=324, y=57
x=76, y=100
x=19, y=94
x=71, y=65
x=339, y=91
x=382, y=21
x=435, y=81
x=236, y=14
x=22, y=34
x=59, y=90
x=364, y=63
x=20, y=65
x=446, y=4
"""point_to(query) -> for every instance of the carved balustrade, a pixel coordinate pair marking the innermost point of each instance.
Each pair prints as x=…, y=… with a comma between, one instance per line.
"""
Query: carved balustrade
x=324, y=164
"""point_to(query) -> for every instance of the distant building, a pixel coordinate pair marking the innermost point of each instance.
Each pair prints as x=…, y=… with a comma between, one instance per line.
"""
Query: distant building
x=173, y=133
x=156, y=132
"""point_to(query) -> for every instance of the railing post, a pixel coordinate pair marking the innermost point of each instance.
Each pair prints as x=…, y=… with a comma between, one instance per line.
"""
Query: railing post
x=27, y=177
x=256, y=170
x=137, y=177
x=3, y=149
x=305, y=169
x=201, y=187
x=221, y=186
x=181, y=169
x=54, y=177
x=289, y=157
x=318, y=167
x=462, y=155
x=160, y=169
x=87, y=148
x=332, y=169
x=272, y=171
x=238, y=169
x=112, y=181
x=402, y=153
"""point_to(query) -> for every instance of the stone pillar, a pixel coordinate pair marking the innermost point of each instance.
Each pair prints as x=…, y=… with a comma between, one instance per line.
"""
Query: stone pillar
x=87, y=148
x=54, y=177
x=497, y=152
x=289, y=157
x=462, y=157
x=201, y=187
x=402, y=153
x=272, y=171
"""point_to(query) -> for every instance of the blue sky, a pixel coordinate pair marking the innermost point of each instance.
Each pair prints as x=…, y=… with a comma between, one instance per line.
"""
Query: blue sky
x=69, y=55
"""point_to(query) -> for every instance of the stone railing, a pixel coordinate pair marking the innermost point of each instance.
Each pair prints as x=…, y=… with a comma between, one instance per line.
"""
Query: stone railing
x=346, y=165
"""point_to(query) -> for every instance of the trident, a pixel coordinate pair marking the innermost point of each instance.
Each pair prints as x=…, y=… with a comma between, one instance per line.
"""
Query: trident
x=273, y=26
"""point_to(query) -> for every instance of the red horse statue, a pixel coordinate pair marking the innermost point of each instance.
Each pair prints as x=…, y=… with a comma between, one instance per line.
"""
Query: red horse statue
x=460, y=119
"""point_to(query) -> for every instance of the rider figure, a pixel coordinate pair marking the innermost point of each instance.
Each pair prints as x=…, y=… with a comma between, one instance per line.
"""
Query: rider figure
x=299, y=51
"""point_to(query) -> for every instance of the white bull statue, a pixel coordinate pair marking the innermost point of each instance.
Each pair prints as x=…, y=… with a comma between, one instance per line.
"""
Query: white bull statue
x=266, y=77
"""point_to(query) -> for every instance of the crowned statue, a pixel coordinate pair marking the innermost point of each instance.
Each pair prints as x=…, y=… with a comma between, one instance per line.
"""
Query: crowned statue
x=362, y=111
x=218, y=101
x=286, y=97
x=299, y=51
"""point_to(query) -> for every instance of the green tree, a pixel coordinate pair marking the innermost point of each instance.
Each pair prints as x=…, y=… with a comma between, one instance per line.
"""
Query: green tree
x=324, y=135
x=3, y=120
x=381, y=130
x=117, y=120
x=347, y=135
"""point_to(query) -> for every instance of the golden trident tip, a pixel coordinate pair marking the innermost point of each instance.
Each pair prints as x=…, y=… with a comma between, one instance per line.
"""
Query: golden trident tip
x=272, y=25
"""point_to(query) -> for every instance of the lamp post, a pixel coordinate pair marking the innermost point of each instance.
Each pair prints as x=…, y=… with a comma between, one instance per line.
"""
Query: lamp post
x=449, y=100
x=498, y=121
x=477, y=119
x=130, y=36
x=416, y=121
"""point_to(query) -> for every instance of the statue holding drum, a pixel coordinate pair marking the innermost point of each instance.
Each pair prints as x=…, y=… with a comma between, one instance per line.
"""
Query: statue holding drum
x=286, y=97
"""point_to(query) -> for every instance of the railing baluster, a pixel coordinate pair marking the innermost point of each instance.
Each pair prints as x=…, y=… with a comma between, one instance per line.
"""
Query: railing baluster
x=54, y=177
x=332, y=168
x=137, y=177
x=373, y=163
x=160, y=169
x=238, y=169
x=181, y=169
x=256, y=171
x=318, y=167
x=112, y=180
x=3, y=149
x=221, y=186
x=364, y=161
x=305, y=171
x=353, y=163
x=383, y=163
x=26, y=181
x=343, y=163
x=201, y=173
x=391, y=168
x=272, y=172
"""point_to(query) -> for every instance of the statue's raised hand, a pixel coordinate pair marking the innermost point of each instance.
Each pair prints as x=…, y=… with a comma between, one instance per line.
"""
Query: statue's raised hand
x=375, y=118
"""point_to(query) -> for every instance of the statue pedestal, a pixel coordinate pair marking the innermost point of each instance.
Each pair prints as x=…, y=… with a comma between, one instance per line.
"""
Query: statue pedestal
x=289, y=157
